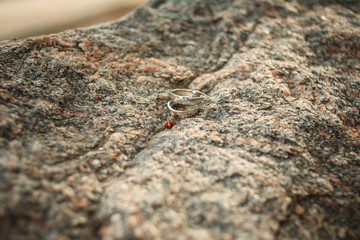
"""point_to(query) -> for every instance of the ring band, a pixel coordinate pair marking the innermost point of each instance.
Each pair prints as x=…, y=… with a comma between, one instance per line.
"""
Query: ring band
x=181, y=108
x=187, y=96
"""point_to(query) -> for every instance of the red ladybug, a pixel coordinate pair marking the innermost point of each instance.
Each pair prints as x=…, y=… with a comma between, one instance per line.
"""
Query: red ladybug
x=169, y=125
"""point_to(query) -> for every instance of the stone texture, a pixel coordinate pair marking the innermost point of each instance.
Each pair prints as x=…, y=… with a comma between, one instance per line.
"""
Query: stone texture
x=273, y=155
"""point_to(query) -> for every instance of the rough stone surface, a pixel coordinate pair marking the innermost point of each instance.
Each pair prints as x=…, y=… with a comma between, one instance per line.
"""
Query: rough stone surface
x=273, y=155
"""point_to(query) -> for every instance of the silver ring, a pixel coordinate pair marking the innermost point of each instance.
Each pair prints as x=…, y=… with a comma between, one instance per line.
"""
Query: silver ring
x=187, y=96
x=182, y=108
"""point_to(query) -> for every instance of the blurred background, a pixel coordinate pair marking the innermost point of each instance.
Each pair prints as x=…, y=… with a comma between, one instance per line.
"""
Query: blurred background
x=24, y=18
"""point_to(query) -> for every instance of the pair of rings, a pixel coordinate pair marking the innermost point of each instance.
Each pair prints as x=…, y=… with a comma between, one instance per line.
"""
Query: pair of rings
x=185, y=101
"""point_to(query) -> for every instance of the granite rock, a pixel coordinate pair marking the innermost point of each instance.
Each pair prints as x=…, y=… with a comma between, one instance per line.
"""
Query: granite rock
x=274, y=154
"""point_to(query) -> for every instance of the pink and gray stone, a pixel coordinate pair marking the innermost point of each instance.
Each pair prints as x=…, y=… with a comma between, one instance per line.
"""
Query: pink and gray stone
x=274, y=154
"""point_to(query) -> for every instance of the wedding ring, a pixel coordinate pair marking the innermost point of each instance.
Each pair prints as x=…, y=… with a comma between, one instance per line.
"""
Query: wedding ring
x=182, y=108
x=187, y=96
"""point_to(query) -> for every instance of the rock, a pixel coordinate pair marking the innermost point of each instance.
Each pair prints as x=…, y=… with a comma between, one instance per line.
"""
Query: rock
x=273, y=155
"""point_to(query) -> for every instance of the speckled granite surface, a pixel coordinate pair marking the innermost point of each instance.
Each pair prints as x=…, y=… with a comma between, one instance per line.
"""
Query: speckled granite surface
x=274, y=154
